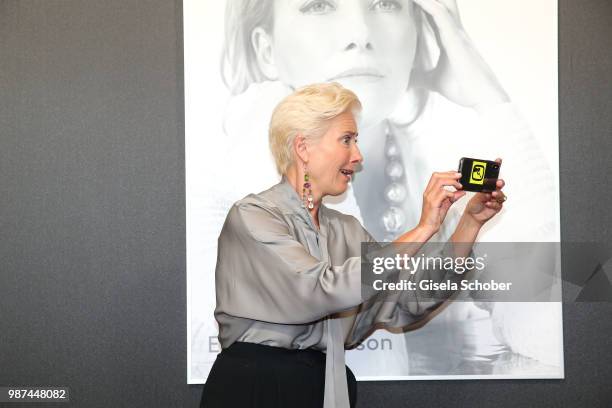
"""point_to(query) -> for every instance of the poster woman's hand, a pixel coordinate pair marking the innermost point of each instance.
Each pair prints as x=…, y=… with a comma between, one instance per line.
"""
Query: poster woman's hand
x=461, y=74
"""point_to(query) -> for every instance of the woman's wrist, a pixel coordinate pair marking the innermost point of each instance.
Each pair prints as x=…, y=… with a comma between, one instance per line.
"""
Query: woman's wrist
x=424, y=232
x=467, y=229
x=421, y=233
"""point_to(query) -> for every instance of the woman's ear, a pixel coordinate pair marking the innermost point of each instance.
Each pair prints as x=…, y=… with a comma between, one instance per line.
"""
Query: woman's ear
x=262, y=45
x=301, y=148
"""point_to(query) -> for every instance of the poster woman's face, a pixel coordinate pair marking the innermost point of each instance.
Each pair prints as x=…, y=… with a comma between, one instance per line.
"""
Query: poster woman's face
x=366, y=45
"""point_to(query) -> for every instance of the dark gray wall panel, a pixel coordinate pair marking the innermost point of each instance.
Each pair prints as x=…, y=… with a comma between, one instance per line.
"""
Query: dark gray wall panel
x=92, y=211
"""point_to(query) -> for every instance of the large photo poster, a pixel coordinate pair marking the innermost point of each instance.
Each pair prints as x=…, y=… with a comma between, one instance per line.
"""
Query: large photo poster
x=439, y=80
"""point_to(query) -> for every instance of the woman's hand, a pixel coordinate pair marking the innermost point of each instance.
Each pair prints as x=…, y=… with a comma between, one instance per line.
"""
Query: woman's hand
x=483, y=206
x=437, y=200
x=461, y=75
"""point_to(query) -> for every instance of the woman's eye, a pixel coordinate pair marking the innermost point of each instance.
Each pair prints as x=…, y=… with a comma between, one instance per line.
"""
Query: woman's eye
x=317, y=7
x=346, y=140
x=386, y=5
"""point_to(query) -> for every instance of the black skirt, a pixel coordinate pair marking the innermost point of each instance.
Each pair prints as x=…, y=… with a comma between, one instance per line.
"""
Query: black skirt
x=249, y=375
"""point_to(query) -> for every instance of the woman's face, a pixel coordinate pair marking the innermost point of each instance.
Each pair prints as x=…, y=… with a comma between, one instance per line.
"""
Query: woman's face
x=333, y=157
x=366, y=45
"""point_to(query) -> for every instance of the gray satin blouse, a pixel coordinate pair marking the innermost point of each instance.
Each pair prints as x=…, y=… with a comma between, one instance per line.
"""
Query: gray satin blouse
x=282, y=282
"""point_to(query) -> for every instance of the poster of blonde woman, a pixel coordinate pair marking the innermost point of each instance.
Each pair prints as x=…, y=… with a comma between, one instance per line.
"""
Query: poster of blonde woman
x=438, y=80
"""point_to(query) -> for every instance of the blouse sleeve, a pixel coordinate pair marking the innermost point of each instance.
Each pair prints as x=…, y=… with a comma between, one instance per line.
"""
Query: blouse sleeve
x=264, y=273
x=404, y=310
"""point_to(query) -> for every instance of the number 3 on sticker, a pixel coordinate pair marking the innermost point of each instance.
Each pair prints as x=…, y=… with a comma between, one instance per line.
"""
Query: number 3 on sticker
x=478, y=172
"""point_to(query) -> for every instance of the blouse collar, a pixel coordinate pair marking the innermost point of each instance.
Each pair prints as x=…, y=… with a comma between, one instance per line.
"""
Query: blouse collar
x=291, y=203
x=289, y=198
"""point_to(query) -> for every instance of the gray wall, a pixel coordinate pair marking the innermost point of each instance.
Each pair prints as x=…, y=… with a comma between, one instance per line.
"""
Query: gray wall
x=92, y=210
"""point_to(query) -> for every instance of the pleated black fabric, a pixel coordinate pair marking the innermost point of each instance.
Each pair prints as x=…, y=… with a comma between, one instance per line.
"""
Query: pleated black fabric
x=250, y=375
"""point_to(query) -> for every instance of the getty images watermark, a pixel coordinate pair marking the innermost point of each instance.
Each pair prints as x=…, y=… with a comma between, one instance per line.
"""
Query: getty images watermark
x=421, y=262
x=484, y=271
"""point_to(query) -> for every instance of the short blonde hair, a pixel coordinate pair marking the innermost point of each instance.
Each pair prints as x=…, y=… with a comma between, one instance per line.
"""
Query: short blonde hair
x=308, y=111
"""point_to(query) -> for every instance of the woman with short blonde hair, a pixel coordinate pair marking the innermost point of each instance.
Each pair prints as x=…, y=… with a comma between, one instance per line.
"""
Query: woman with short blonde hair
x=308, y=112
x=287, y=265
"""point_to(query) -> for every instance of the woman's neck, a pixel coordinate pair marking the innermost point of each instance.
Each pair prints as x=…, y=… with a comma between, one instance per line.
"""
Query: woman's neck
x=295, y=178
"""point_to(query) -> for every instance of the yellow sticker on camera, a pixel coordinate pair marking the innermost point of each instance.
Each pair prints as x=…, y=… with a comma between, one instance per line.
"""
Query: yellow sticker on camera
x=478, y=172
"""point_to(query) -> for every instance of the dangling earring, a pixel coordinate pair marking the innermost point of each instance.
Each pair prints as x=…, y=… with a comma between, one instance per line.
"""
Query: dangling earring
x=307, y=199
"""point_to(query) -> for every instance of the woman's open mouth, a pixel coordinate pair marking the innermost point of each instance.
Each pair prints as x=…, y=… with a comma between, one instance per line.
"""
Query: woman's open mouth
x=347, y=173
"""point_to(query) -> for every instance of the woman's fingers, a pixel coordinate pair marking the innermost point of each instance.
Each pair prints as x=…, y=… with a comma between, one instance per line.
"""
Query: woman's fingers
x=437, y=199
x=441, y=14
x=451, y=5
x=435, y=193
x=461, y=74
x=493, y=205
x=441, y=179
x=457, y=195
x=499, y=196
x=442, y=194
